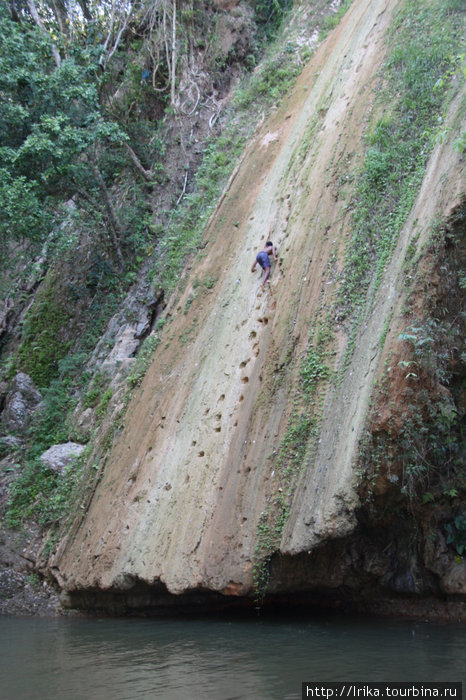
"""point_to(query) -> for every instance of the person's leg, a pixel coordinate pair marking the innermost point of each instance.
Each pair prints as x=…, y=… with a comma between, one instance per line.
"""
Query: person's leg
x=265, y=277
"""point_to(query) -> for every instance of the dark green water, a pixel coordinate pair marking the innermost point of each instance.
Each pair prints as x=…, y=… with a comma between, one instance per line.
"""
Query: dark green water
x=231, y=659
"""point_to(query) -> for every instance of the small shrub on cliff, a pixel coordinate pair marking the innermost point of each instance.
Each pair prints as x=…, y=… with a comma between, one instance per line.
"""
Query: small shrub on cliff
x=313, y=370
x=94, y=393
x=456, y=534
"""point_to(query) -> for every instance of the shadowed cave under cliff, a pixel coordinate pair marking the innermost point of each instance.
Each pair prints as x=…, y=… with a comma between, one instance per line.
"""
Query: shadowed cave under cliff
x=374, y=571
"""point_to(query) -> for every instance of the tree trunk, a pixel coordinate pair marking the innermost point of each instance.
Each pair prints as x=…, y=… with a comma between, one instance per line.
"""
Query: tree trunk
x=14, y=12
x=38, y=21
x=85, y=8
x=61, y=15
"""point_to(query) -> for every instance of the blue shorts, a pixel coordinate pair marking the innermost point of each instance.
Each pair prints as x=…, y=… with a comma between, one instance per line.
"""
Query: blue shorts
x=263, y=260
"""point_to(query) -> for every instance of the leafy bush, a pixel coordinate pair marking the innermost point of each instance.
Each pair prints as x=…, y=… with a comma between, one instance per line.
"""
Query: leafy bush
x=23, y=213
x=456, y=534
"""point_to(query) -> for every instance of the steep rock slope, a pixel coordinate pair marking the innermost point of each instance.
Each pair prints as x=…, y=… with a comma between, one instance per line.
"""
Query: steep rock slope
x=191, y=478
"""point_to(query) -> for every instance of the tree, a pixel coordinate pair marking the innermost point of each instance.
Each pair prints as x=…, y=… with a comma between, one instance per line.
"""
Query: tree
x=51, y=126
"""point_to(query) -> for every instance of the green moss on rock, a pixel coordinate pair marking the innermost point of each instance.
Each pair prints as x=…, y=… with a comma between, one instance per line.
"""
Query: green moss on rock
x=45, y=340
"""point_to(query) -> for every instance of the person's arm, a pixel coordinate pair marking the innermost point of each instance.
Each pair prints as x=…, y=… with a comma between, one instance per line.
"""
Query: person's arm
x=254, y=266
x=274, y=251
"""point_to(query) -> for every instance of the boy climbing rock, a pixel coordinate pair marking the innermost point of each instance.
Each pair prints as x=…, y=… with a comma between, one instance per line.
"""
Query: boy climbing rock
x=264, y=261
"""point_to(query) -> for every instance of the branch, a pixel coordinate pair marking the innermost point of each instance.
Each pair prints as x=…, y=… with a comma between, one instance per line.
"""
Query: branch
x=125, y=18
x=213, y=119
x=117, y=40
x=107, y=40
x=184, y=189
x=183, y=107
x=148, y=175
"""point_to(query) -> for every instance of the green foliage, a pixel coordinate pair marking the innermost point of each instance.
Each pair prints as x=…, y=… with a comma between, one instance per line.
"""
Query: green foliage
x=421, y=340
x=94, y=392
x=377, y=167
x=103, y=404
x=52, y=121
x=460, y=143
x=38, y=492
x=23, y=212
x=33, y=486
x=265, y=544
x=43, y=344
x=44, y=354
x=269, y=82
x=269, y=14
x=33, y=580
x=417, y=77
x=314, y=369
x=295, y=442
x=426, y=446
x=56, y=125
x=456, y=534
x=209, y=282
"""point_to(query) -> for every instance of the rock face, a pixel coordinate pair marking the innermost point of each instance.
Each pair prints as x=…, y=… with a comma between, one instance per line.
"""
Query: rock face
x=21, y=401
x=58, y=457
x=185, y=496
x=133, y=322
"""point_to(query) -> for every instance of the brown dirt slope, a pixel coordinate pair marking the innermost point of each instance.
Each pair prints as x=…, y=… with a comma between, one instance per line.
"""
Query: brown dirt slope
x=182, y=494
